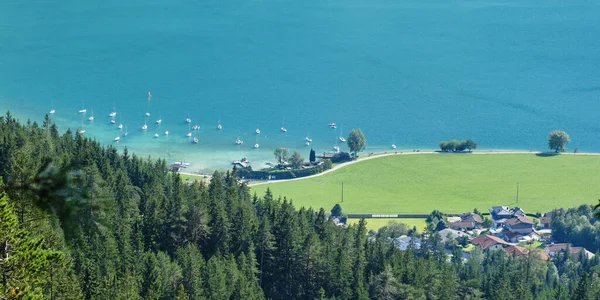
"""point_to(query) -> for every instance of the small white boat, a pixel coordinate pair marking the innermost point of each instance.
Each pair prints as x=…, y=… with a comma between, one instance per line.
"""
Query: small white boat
x=196, y=127
x=117, y=139
x=308, y=139
x=147, y=114
x=336, y=148
x=159, y=121
x=307, y=143
x=342, y=139
x=219, y=127
x=81, y=131
x=393, y=146
x=257, y=131
x=256, y=146
x=112, y=114
x=113, y=121
x=126, y=132
x=167, y=132
x=196, y=140
x=283, y=129
x=82, y=111
x=188, y=120
x=52, y=112
x=238, y=141
x=120, y=126
x=145, y=127
x=92, y=117
x=156, y=135
x=332, y=125
x=189, y=134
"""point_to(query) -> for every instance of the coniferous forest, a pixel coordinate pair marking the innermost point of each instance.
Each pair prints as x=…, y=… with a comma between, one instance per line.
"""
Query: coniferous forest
x=82, y=221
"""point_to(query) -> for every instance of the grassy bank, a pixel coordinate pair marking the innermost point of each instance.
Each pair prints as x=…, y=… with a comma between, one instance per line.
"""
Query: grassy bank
x=450, y=183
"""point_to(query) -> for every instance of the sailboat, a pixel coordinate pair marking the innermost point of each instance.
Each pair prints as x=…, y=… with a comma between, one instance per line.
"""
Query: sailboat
x=117, y=139
x=112, y=121
x=92, y=117
x=188, y=120
x=156, y=135
x=393, y=146
x=256, y=145
x=189, y=134
x=238, y=141
x=195, y=141
x=219, y=127
x=81, y=130
x=159, y=121
x=82, y=110
x=342, y=139
x=126, y=132
x=52, y=111
x=145, y=127
x=283, y=126
x=113, y=113
x=167, y=132
x=147, y=105
x=257, y=131
x=196, y=127
x=308, y=139
x=120, y=126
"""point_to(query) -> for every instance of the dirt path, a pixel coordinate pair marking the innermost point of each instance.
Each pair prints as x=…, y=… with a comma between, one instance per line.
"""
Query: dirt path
x=384, y=154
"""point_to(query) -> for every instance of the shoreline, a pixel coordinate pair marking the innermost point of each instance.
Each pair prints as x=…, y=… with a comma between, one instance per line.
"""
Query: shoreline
x=374, y=155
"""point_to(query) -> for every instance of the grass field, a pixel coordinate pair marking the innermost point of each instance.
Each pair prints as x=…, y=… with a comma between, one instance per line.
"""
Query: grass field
x=375, y=224
x=450, y=183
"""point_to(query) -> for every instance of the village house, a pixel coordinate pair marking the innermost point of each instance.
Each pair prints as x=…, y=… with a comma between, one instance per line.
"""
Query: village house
x=491, y=242
x=519, y=224
x=520, y=251
x=575, y=252
x=516, y=237
x=404, y=242
x=546, y=219
x=501, y=214
x=448, y=233
x=467, y=221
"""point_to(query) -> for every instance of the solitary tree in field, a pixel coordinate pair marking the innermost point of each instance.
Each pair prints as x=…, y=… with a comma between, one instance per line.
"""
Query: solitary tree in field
x=558, y=140
x=296, y=160
x=357, y=141
x=281, y=155
x=312, y=157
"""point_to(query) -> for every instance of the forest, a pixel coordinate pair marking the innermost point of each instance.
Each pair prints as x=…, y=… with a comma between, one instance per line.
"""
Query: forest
x=79, y=220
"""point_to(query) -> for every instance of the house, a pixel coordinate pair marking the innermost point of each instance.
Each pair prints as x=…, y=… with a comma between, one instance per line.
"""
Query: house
x=404, y=242
x=546, y=219
x=468, y=221
x=486, y=241
x=519, y=224
x=517, y=237
x=520, y=251
x=575, y=252
x=448, y=233
x=501, y=214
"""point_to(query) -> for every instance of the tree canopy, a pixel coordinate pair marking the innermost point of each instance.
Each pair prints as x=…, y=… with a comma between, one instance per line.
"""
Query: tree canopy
x=558, y=140
x=356, y=141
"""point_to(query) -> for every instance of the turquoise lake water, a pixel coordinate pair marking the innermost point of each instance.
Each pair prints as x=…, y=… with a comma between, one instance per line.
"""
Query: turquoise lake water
x=410, y=73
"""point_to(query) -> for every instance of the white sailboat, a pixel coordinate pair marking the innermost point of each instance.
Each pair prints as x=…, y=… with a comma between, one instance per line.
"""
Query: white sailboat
x=189, y=134
x=332, y=125
x=393, y=146
x=256, y=145
x=145, y=127
x=159, y=121
x=117, y=139
x=120, y=126
x=283, y=129
x=82, y=110
x=81, y=130
x=167, y=132
x=219, y=127
x=196, y=127
x=336, y=148
x=114, y=112
x=91, y=118
x=307, y=143
x=126, y=132
x=148, y=104
x=195, y=141
x=53, y=110
x=257, y=131
x=188, y=120
x=342, y=139
x=156, y=135
x=238, y=141
x=308, y=139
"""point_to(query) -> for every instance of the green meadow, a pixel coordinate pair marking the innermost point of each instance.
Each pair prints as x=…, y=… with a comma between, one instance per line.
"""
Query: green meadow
x=451, y=183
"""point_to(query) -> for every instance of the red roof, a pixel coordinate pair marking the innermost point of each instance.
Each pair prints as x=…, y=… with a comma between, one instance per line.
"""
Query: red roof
x=519, y=219
x=485, y=241
x=520, y=251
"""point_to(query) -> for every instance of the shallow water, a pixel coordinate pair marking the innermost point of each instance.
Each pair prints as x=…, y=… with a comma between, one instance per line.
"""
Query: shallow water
x=410, y=73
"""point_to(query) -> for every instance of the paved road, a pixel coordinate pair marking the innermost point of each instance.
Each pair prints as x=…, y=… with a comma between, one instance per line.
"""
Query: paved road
x=378, y=155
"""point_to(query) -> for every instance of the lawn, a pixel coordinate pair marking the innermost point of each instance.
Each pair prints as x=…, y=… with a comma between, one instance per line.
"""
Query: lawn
x=375, y=224
x=450, y=183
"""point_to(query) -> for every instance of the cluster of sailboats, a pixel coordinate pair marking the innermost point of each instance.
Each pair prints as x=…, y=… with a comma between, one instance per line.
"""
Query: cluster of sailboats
x=113, y=114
